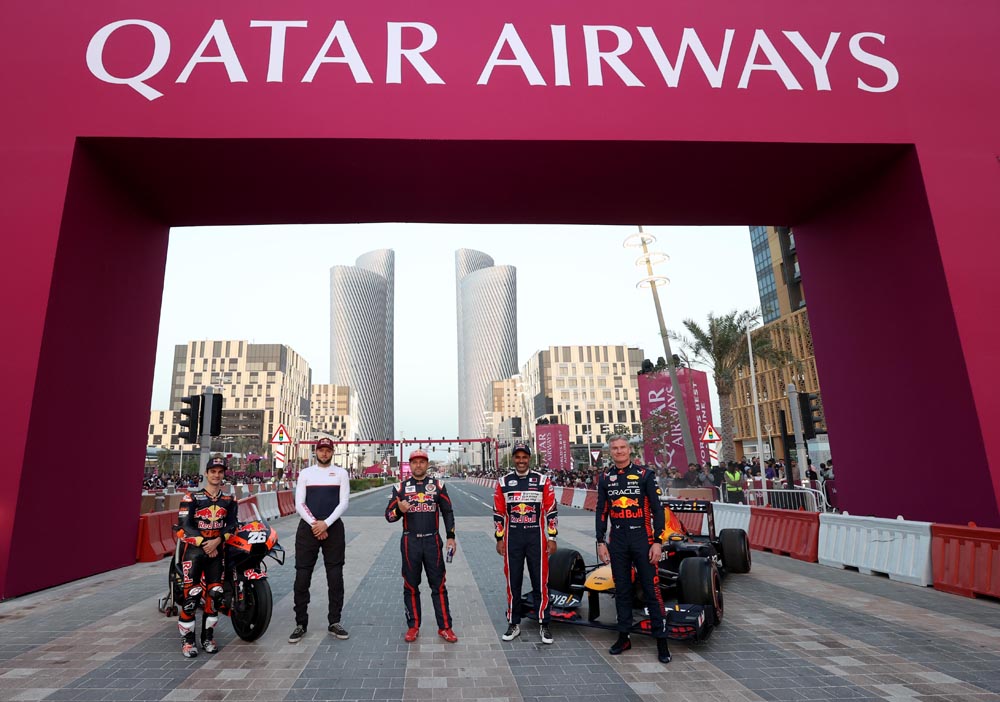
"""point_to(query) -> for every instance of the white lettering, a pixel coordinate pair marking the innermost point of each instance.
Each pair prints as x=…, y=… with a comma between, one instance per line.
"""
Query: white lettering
x=818, y=63
x=595, y=57
x=396, y=53
x=882, y=64
x=775, y=62
x=227, y=55
x=161, y=52
x=560, y=54
x=351, y=57
x=689, y=41
x=510, y=37
x=276, y=59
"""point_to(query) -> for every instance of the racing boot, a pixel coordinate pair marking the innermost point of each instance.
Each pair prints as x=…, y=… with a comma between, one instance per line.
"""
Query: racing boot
x=448, y=635
x=623, y=644
x=188, y=648
x=208, y=641
x=411, y=634
x=513, y=631
x=662, y=651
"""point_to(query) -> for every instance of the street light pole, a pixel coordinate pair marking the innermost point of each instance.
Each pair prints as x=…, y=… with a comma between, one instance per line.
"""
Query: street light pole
x=643, y=239
x=756, y=405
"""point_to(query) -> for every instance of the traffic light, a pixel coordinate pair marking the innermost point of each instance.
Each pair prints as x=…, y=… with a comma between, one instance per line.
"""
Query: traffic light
x=190, y=415
x=812, y=414
x=215, y=423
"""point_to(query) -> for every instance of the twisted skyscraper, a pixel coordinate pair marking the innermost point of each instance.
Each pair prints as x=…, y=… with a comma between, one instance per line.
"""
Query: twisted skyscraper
x=361, y=339
x=486, y=300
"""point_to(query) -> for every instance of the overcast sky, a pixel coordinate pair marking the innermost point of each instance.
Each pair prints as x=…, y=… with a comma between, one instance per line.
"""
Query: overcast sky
x=575, y=286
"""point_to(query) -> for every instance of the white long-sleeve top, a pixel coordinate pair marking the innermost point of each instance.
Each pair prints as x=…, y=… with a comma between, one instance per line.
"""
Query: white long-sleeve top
x=322, y=493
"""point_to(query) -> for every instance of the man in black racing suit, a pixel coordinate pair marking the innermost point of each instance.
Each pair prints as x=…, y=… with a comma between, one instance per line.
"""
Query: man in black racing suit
x=629, y=496
x=419, y=501
x=207, y=518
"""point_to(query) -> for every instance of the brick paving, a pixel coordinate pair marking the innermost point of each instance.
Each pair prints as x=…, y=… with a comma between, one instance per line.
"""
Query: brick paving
x=792, y=632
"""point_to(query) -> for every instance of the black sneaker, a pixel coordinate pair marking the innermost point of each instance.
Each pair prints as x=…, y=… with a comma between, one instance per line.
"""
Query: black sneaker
x=297, y=634
x=662, y=651
x=338, y=631
x=545, y=634
x=623, y=644
x=513, y=631
x=208, y=641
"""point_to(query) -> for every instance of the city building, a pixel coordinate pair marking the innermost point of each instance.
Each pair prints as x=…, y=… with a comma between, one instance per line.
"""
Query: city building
x=783, y=310
x=263, y=386
x=592, y=389
x=331, y=411
x=486, y=302
x=361, y=339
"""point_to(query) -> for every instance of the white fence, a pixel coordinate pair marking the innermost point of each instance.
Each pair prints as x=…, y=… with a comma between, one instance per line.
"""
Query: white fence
x=731, y=516
x=897, y=548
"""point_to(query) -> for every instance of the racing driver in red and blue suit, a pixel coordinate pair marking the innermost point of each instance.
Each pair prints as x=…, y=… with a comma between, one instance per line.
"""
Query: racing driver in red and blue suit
x=628, y=495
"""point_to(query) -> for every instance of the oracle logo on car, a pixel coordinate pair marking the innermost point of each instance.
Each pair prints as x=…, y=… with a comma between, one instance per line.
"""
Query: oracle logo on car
x=726, y=58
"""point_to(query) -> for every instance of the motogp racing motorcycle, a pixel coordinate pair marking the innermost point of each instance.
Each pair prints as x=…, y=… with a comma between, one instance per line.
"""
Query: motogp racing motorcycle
x=247, y=595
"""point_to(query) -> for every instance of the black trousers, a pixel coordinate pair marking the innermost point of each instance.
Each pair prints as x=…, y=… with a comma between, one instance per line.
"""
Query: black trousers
x=629, y=548
x=527, y=546
x=307, y=548
x=424, y=552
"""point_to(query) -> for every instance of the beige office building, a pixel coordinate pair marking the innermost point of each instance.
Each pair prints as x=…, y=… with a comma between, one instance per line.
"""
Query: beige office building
x=272, y=378
x=783, y=308
x=593, y=389
x=331, y=411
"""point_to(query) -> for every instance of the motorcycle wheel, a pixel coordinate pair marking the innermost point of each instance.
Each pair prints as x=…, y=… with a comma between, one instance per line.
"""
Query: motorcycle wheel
x=251, y=623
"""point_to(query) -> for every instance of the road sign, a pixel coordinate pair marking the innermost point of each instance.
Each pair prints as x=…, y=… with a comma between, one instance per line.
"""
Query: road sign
x=595, y=455
x=281, y=436
x=709, y=436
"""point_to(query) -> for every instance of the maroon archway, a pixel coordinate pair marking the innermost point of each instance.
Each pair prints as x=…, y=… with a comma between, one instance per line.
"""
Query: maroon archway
x=869, y=127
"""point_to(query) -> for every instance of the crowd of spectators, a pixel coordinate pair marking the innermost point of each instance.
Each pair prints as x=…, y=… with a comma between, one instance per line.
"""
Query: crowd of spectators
x=162, y=481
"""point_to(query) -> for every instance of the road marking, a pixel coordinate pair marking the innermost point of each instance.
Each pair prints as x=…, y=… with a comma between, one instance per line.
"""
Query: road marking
x=470, y=495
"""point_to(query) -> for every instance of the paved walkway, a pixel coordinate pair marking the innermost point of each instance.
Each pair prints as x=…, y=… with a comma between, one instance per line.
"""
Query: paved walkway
x=793, y=631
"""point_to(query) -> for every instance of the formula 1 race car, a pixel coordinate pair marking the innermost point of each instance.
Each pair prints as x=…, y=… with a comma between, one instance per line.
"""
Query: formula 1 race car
x=690, y=577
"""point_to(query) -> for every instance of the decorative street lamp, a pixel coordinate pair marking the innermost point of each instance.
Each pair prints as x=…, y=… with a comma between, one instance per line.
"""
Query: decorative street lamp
x=648, y=259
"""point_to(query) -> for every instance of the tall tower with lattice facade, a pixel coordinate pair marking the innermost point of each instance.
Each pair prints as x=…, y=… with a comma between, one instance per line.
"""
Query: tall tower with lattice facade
x=361, y=339
x=486, y=302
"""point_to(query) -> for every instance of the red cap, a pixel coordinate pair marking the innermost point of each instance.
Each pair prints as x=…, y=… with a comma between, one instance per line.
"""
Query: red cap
x=324, y=443
x=418, y=453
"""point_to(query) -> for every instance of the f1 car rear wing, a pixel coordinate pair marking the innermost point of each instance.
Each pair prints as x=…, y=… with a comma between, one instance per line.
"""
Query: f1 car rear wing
x=692, y=507
x=675, y=505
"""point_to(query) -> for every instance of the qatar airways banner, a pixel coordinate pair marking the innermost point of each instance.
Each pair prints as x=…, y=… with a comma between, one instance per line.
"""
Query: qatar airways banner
x=663, y=440
x=552, y=444
x=154, y=57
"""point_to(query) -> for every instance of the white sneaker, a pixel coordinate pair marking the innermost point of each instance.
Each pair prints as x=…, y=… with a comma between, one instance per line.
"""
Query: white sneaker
x=513, y=631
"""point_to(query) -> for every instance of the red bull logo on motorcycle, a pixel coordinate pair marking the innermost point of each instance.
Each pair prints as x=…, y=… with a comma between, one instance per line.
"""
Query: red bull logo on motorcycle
x=253, y=526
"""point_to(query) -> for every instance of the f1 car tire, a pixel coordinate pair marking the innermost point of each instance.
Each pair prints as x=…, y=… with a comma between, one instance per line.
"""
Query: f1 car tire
x=566, y=568
x=735, y=550
x=699, y=584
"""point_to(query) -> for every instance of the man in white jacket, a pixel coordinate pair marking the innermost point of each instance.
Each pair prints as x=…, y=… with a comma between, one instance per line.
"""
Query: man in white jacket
x=321, y=497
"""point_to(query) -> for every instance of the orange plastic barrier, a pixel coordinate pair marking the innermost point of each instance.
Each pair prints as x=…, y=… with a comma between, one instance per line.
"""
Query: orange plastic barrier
x=286, y=502
x=784, y=531
x=692, y=521
x=156, y=536
x=567, y=497
x=965, y=560
x=591, y=502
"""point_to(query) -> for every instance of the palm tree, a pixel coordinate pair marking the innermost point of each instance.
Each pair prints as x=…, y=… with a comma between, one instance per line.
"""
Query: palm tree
x=164, y=461
x=721, y=345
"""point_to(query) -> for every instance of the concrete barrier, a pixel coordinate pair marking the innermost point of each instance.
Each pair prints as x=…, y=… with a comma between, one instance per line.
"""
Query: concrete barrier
x=267, y=502
x=893, y=547
x=558, y=490
x=731, y=516
x=966, y=560
x=567, y=497
x=580, y=498
x=783, y=531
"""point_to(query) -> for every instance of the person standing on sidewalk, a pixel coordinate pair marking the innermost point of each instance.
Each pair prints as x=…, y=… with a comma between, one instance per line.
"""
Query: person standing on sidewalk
x=525, y=516
x=322, y=494
x=628, y=495
x=421, y=502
